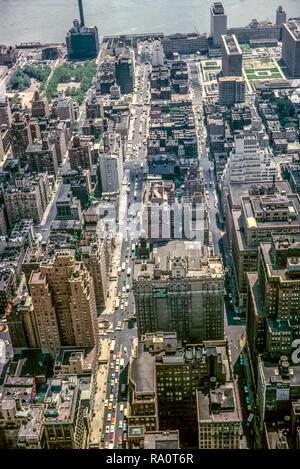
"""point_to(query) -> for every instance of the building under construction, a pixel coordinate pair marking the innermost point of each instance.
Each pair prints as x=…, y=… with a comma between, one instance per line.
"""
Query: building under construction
x=82, y=42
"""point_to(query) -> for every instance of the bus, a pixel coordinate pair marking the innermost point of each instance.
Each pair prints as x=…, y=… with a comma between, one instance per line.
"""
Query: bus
x=123, y=266
x=112, y=346
x=121, y=363
x=117, y=303
x=128, y=272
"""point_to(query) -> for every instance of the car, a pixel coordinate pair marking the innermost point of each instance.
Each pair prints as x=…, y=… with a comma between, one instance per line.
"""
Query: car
x=109, y=418
x=107, y=429
x=119, y=440
x=111, y=397
x=124, y=426
x=4, y=320
x=6, y=342
x=247, y=400
x=106, y=403
x=112, y=376
x=110, y=406
x=114, y=358
x=113, y=421
x=112, y=365
x=121, y=424
x=111, y=437
x=106, y=445
x=111, y=446
x=102, y=438
x=115, y=405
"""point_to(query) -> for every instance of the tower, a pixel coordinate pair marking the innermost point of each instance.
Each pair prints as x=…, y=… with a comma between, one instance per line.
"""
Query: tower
x=81, y=13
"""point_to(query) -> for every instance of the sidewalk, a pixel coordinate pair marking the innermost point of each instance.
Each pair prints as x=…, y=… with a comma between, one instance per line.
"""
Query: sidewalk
x=97, y=421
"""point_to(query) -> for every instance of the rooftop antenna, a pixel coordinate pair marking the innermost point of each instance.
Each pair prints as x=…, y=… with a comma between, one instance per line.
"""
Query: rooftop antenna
x=81, y=13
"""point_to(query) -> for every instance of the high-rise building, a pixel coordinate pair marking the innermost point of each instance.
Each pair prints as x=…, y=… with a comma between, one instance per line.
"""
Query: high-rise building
x=273, y=319
x=218, y=22
x=291, y=47
x=65, y=422
x=20, y=137
x=260, y=217
x=64, y=304
x=219, y=417
x=82, y=41
x=178, y=289
x=39, y=106
x=163, y=379
x=157, y=54
x=232, y=58
x=231, y=90
x=41, y=156
x=249, y=163
x=93, y=258
x=280, y=16
x=80, y=153
x=125, y=66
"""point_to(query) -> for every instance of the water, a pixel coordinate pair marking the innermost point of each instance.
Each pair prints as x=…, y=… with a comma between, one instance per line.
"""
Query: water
x=49, y=20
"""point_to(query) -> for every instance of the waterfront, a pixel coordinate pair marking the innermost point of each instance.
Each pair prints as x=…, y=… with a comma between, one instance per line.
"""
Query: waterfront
x=49, y=20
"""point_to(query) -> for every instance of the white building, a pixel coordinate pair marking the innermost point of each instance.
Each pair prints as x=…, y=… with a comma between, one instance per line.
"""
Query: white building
x=248, y=162
x=157, y=54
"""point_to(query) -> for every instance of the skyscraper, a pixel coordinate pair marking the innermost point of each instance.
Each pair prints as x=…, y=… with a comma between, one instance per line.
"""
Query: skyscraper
x=231, y=56
x=180, y=290
x=64, y=304
x=291, y=47
x=82, y=41
x=218, y=22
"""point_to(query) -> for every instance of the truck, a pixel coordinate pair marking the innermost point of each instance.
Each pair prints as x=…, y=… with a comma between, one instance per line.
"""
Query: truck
x=128, y=272
x=112, y=346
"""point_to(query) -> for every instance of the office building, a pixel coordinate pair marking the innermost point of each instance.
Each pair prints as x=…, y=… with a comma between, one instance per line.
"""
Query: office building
x=20, y=137
x=94, y=108
x=82, y=41
x=64, y=304
x=7, y=287
x=249, y=163
x=39, y=106
x=21, y=324
x=125, y=66
x=63, y=108
x=41, y=156
x=66, y=424
x=232, y=58
x=260, y=217
x=157, y=58
x=219, y=417
x=5, y=111
x=163, y=379
x=93, y=258
x=280, y=16
x=80, y=154
x=291, y=47
x=139, y=438
x=20, y=416
x=180, y=290
x=218, y=23
x=111, y=164
x=231, y=90
x=273, y=320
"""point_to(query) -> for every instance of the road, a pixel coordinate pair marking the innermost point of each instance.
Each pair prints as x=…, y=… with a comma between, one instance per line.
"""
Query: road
x=234, y=329
x=129, y=205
